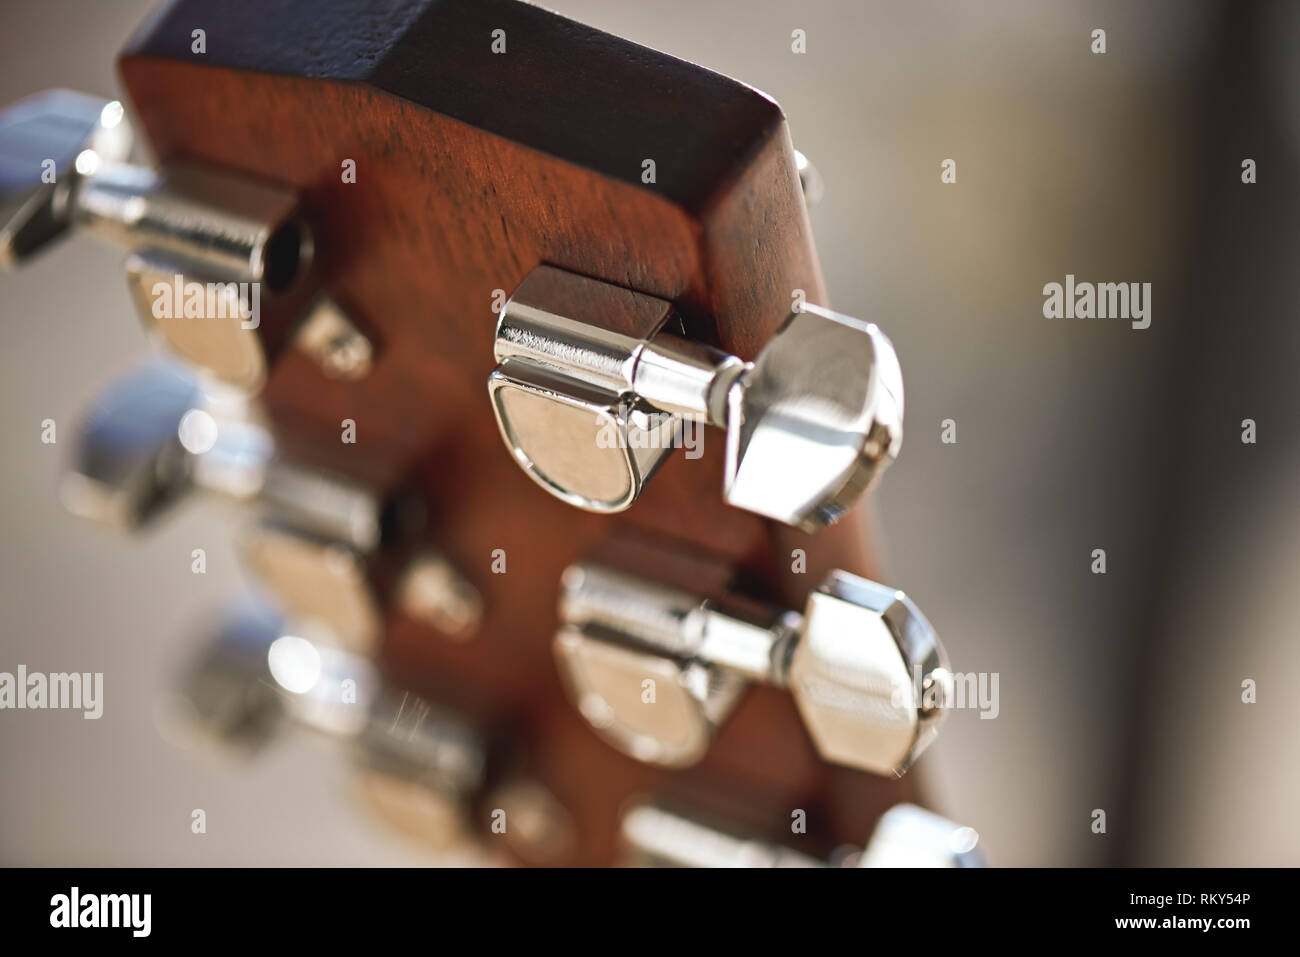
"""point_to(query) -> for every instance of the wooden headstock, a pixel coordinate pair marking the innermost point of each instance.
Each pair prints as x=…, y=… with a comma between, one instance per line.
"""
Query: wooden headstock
x=473, y=167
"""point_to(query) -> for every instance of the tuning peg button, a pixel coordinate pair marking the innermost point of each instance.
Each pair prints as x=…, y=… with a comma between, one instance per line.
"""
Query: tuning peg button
x=590, y=413
x=853, y=662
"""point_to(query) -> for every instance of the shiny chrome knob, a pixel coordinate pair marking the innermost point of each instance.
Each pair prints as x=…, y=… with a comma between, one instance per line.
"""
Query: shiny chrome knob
x=655, y=669
x=592, y=391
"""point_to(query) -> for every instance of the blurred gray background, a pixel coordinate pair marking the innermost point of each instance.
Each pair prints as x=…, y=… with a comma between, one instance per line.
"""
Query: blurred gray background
x=1120, y=692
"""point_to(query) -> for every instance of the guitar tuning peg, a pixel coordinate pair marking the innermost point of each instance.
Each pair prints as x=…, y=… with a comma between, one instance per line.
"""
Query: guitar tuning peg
x=64, y=154
x=206, y=245
x=590, y=413
x=653, y=835
x=159, y=433
x=420, y=766
x=865, y=668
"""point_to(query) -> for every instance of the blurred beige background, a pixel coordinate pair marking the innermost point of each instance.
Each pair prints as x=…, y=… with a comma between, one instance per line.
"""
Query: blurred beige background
x=1119, y=692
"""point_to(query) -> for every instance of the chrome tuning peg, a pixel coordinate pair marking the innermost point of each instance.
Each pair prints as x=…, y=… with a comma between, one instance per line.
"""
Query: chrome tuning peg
x=158, y=433
x=592, y=392
x=865, y=668
x=420, y=765
x=205, y=243
x=905, y=836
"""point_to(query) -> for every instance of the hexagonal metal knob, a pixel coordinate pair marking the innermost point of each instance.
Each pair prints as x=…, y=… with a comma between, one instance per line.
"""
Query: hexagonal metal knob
x=861, y=675
x=815, y=421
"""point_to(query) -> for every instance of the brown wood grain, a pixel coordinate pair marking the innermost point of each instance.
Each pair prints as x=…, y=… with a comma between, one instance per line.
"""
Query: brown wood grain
x=472, y=169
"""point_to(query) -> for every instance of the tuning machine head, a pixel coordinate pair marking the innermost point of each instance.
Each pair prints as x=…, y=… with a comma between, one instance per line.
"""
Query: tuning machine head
x=590, y=411
x=655, y=669
x=323, y=541
x=63, y=156
x=221, y=266
x=559, y=390
x=419, y=765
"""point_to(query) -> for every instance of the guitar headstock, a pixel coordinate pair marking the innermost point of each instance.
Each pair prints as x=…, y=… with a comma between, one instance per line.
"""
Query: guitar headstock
x=430, y=196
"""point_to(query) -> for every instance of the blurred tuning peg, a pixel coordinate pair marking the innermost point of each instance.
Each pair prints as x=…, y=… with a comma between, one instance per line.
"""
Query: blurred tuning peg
x=157, y=434
x=905, y=836
x=866, y=669
x=205, y=243
x=590, y=413
x=48, y=142
x=421, y=767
